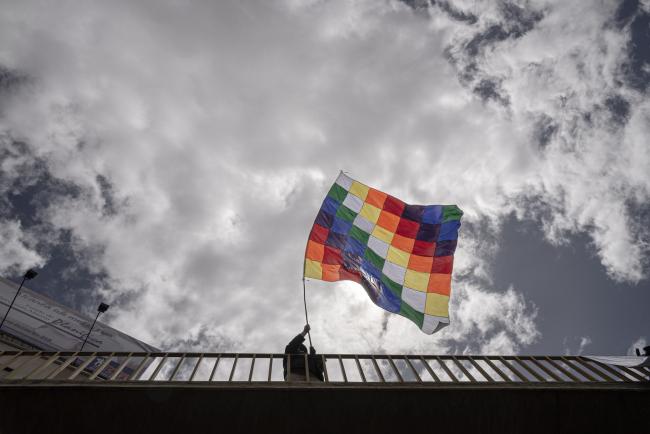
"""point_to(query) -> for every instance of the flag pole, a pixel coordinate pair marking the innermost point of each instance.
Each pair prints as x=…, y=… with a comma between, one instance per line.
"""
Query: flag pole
x=304, y=288
x=304, y=299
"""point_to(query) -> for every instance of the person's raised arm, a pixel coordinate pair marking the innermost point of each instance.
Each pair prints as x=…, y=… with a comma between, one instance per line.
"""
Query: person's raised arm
x=292, y=347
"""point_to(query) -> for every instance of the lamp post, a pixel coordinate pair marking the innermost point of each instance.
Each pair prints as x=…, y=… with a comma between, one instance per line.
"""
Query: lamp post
x=29, y=275
x=103, y=307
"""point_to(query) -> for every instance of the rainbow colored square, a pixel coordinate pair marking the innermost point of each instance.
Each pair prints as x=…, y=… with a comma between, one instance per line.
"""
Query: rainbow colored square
x=402, y=254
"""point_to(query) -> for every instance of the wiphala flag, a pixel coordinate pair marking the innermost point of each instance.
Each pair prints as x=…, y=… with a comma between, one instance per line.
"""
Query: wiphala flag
x=402, y=254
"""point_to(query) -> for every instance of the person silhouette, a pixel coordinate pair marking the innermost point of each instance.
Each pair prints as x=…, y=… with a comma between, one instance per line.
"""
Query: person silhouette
x=646, y=351
x=296, y=350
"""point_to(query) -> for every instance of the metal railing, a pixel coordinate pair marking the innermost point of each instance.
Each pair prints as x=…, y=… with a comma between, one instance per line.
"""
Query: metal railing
x=338, y=369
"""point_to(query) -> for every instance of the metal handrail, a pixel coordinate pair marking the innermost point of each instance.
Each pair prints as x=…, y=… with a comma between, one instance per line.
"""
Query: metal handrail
x=367, y=369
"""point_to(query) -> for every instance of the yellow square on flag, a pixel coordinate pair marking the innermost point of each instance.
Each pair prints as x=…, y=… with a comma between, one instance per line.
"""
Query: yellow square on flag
x=370, y=213
x=382, y=234
x=313, y=269
x=359, y=190
x=437, y=305
x=416, y=280
x=399, y=257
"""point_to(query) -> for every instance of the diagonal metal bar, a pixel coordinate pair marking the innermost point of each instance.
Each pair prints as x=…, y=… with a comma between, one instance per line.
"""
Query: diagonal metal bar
x=176, y=368
x=480, y=369
x=61, y=367
x=496, y=369
x=234, y=366
x=512, y=368
x=345, y=377
x=599, y=373
x=138, y=371
x=196, y=367
x=120, y=368
x=392, y=365
x=576, y=368
x=429, y=370
x=548, y=372
x=250, y=374
x=381, y=376
x=363, y=377
x=630, y=372
x=158, y=368
x=83, y=366
x=100, y=368
x=530, y=370
x=38, y=369
x=463, y=369
x=447, y=370
x=612, y=371
x=561, y=369
x=214, y=368
x=417, y=376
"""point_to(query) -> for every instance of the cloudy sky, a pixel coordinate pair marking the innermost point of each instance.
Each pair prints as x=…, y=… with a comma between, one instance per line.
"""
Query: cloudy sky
x=169, y=157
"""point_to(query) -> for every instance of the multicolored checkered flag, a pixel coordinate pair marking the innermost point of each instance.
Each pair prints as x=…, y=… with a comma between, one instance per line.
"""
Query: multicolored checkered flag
x=402, y=254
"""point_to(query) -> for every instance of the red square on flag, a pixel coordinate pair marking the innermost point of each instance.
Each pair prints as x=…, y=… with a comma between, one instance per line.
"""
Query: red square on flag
x=442, y=264
x=407, y=228
x=423, y=248
x=394, y=205
x=347, y=275
x=332, y=256
x=319, y=234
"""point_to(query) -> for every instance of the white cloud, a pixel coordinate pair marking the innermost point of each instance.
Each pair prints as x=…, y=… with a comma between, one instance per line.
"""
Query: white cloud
x=584, y=341
x=16, y=256
x=638, y=344
x=220, y=126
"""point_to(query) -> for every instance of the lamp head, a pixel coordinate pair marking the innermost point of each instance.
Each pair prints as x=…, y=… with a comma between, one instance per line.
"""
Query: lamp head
x=30, y=274
x=103, y=307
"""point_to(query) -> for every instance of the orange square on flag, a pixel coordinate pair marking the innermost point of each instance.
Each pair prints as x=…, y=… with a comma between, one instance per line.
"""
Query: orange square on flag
x=376, y=198
x=331, y=272
x=420, y=263
x=315, y=251
x=388, y=221
x=404, y=243
x=438, y=283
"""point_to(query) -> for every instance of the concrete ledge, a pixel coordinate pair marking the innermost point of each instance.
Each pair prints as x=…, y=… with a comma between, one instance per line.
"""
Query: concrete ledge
x=90, y=408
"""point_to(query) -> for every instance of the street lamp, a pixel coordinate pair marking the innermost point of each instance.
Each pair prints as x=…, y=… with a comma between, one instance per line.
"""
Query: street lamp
x=103, y=307
x=29, y=275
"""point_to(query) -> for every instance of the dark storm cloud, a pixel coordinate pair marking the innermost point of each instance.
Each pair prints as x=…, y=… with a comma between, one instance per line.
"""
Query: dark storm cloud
x=634, y=16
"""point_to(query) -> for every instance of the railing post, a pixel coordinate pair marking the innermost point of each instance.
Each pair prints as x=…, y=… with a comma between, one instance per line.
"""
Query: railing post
x=447, y=370
x=250, y=374
x=392, y=365
x=429, y=370
x=345, y=377
x=363, y=377
x=381, y=376
x=234, y=366
x=196, y=367
x=214, y=368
